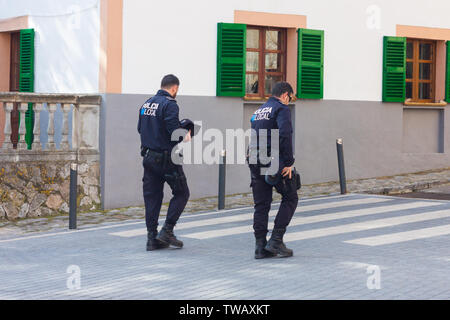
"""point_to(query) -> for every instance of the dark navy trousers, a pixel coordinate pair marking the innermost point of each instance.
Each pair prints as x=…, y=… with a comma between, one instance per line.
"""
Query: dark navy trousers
x=262, y=196
x=155, y=175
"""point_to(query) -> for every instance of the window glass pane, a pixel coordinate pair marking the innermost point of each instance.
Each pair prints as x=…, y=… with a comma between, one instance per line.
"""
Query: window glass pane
x=273, y=40
x=253, y=38
x=424, y=91
x=252, y=61
x=409, y=50
x=425, y=71
x=409, y=90
x=409, y=70
x=270, y=82
x=251, y=83
x=425, y=51
x=273, y=62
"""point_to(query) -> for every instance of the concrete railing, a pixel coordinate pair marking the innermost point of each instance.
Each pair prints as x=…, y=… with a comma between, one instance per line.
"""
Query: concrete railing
x=19, y=121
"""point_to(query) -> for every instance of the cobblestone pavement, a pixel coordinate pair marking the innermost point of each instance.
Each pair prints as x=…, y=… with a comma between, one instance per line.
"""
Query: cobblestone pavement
x=438, y=193
x=356, y=246
x=444, y=189
x=382, y=185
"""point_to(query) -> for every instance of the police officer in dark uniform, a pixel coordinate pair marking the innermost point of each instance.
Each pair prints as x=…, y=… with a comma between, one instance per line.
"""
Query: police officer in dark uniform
x=158, y=119
x=274, y=114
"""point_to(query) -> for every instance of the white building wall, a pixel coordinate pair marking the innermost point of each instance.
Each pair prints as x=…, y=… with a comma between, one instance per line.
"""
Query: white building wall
x=180, y=37
x=66, y=44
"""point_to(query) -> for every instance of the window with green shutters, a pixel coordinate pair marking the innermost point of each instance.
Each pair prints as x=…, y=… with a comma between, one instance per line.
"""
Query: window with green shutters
x=232, y=62
x=310, y=64
x=231, y=55
x=26, y=80
x=394, y=69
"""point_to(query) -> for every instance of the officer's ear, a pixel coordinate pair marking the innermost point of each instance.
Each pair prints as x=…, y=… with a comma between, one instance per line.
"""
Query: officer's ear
x=175, y=90
x=285, y=97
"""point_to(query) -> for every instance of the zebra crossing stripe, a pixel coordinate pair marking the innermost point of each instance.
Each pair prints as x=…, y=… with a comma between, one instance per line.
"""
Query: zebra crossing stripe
x=299, y=220
x=402, y=236
x=367, y=225
x=248, y=216
x=303, y=202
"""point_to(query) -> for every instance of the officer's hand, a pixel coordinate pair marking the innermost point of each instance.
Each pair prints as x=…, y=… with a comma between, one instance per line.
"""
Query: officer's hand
x=287, y=171
x=187, y=137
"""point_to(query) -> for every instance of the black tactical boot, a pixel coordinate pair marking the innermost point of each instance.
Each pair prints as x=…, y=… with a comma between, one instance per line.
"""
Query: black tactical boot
x=153, y=243
x=275, y=244
x=167, y=237
x=260, y=252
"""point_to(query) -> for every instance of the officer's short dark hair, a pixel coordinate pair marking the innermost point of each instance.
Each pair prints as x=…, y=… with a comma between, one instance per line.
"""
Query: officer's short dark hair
x=280, y=88
x=169, y=81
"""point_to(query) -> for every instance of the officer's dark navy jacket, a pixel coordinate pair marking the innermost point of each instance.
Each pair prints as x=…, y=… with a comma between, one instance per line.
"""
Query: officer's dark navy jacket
x=158, y=119
x=275, y=115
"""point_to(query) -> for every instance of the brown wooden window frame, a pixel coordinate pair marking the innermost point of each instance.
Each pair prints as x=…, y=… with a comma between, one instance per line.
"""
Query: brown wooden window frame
x=415, y=80
x=261, y=65
x=14, y=62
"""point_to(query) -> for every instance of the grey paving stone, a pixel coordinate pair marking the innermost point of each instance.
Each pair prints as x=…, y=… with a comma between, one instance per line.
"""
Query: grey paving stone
x=222, y=267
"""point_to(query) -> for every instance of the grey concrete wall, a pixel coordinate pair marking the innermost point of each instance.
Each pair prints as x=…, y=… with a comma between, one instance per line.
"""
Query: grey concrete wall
x=373, y=139
x=421, y=125
x=374, y=142
x=120, y=146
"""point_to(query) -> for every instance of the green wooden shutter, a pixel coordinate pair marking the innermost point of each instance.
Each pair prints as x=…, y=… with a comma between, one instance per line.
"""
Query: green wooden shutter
x=26, y=60
x=26, y=81
x=231, y=58
x=310, y=64
x=447, y=74
x=394, y=69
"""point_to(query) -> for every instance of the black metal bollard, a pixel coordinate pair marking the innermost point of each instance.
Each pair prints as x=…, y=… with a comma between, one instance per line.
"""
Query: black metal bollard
x=73, y=197
x=222, y=174
x=340, y=154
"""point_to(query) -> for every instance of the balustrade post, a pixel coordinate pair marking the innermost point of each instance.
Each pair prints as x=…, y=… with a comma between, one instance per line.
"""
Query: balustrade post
x=22, y=145
x=15, y=125
x=37, y=127
x=51, y=126
x=65, y=128
x=76, y=127
x=8, y=107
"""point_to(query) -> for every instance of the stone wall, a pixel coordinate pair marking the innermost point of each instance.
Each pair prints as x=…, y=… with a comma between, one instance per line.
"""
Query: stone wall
x=41, y=188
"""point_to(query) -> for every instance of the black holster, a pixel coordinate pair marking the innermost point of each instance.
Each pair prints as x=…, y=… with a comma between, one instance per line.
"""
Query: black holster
x=286, y=185
x=298, y=180
x=153, y=157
